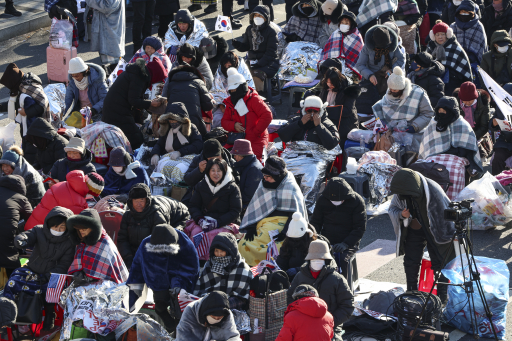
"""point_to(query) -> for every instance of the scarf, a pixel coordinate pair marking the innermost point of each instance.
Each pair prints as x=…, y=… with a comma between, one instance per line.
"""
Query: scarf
x=215, y=188
x=219, y=263
x=331, y=97
x=468, y=112
x=31, y=85
x=414, y=74
x=257, y=38
x=170, y=139
x=239, y=93
x=378, y=56
x=83, y=84
x=439, y=52
x=444, y=120
x=309, y=12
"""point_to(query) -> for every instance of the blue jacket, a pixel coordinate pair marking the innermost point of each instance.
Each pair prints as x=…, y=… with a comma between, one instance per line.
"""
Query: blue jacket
x=249, y=169
x=97, y=89
x=163, y=271
x=117, y=184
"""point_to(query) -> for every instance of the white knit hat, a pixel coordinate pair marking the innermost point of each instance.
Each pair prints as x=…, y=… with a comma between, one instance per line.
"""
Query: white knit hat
x=234, y=78
x=329, y=6
x=298, y=227
x=396, y=81
x=313, y=102
x=77, y=65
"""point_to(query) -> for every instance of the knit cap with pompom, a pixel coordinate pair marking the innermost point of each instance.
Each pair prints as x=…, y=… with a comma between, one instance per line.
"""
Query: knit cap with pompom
x=234, y=78
x=396, y=81
x=298, y=227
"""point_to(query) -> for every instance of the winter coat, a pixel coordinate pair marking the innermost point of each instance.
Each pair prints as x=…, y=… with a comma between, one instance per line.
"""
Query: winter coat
x=498, y=65
x=226, y=209
x=187, y=85
x=201, y=64
x=33, y=181
x=332, y=287
x=119, y=184
x=325, y=134
x=192, y=324
x=163, y=270
x=108, y=27
x=14, y=207
x=431, y=81
x=188, y=130
x=96, y=90
x=255, y=121
x=345, y=223
x=54, y=148
x=193, y=176
x=449, y=9
x=366, y=65
x=482, y=114
x=249, y=169
x=135, y=226
x=297, y=256
x=69, y=194
x=266, y=52
x=305, y=27
x=64, y=166
x=167, y=7
x=307, y=319
x=503, y=22
x=51, y=254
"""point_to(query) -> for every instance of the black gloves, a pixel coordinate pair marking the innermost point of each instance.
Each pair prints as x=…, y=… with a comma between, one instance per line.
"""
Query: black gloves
x=80, y=278
x=236, y=44
x=250, y=234
x=280, y=237
x=340, y=247
x=57, y=12
x=290, y=38
x=94, y=112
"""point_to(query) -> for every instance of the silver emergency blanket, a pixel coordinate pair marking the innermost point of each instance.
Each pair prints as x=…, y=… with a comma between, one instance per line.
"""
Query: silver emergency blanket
x=56, y=94
x=308, y=162
x=147, y=328
x=297, y=58
x=220, y=82
x=99, y=306
x=380, y=178
x=194, y=39
x=242, y=321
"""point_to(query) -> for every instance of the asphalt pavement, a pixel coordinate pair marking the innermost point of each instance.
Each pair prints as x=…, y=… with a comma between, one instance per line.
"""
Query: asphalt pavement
x=29, y=53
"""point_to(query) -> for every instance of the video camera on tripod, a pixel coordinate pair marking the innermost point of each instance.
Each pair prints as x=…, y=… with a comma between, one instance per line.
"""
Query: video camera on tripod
x=459, y=211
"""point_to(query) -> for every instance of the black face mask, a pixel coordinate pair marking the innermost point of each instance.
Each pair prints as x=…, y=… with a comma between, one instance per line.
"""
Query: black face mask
x=308, y=10
x=464, y=18
x=396, y=94
x=175, y=125
x=444, y=120
x=239, y=93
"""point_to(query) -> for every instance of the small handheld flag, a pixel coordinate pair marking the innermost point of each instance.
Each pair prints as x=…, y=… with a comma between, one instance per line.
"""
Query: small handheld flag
x=223, y=24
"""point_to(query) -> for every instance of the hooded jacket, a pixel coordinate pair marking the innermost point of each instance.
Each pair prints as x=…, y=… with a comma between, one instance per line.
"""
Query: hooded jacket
x=345, y=223
x=64, y=166
x=481, y=115
x=430, y=80
x=69, y=194
x=46, y=157
x=222, y=48
x=325, y=134
x=493, y=23
x=192, y=323
x=330, y=25
x=498, y=65
x=307, y=319
x=96, y=90
x=136, y=226
x=304, y=27
x=366, y=65
x=51, y=254
x=14, y=207
x=249, y=169
x=119, y=184
x=178, y=112
x=332, y=288
x=187, y=85
x=200, y=63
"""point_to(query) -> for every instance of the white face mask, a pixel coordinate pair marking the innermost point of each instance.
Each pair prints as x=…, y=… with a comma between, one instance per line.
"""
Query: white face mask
x=118, y=169
x=464, y=13
x=502, y=49
x=259, y=21
x=344, y=28
x=211, y=320
x=57, y=233
x=457, y=2
x=317, y=264
x=337, y=203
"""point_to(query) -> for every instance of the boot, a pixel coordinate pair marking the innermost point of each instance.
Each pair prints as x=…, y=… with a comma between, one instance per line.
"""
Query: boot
x=195, y=7
x=9, y=9
x=211, y=9
x=49, y=318
x=236, y=24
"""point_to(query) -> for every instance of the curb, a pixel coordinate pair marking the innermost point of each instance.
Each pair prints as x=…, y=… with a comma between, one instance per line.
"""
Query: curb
x=34, y=22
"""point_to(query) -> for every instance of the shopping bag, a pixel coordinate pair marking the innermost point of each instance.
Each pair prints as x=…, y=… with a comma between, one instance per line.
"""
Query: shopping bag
x=61, y=34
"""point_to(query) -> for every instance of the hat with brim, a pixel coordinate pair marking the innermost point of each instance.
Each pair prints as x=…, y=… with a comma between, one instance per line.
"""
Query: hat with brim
x=318, y=249
x=503, y=43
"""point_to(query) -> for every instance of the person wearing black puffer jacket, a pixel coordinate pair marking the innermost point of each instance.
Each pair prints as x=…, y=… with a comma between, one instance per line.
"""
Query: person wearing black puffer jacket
x=497, y=16
x=145, y=212
x=340, y=216
x=124, y=102
x=426, y=73
x=77, y=158
x=194, y=56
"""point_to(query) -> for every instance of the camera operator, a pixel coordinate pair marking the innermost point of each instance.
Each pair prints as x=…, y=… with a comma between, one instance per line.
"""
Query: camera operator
x=417, y=214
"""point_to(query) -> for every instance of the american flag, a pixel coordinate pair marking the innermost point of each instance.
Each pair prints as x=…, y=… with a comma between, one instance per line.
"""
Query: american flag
x=272, y=251
x=184, y=299
x=256, y=270
x=55, y=287
x=201, y=242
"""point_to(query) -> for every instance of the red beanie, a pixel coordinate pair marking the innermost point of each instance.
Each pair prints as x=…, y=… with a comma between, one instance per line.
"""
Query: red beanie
x=468, y=92
x=440, y=27
x=157, y=70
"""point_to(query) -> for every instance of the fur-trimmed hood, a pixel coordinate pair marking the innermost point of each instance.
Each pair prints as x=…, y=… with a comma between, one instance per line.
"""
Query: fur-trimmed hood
x=178, y=112
x=87, y=218
x=353, y=91
x=185, y=72
x=162, y=248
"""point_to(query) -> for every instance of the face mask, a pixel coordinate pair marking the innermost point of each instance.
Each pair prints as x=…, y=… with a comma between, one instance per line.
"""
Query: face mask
x=118, y=169
x=502, y=49
x=57, y=233
x=259, y=21
x=317, y=264
x=344, y=28
x=175, y=125
x=337, y=203
x=457, y=2
x=396, y=94
x=211, y=320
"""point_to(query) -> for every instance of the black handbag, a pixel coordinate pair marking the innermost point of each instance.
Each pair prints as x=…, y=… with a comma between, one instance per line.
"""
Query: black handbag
x=30, y=307
x=232, y=137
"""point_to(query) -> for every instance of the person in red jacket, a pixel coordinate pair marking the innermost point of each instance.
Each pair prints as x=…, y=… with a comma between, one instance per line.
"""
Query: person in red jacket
x=246, y=112
x=69, y=194
x=307, y=318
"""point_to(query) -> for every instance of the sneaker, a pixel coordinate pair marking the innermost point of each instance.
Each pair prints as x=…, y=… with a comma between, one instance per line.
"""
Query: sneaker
x=9, y=9
x=195, y=7
x=211, y=9
x=236, y=24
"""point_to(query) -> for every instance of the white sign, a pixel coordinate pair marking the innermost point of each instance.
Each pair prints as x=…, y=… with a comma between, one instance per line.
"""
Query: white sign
x=502, y=98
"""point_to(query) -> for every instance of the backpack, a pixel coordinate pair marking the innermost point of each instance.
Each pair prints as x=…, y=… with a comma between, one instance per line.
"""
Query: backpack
x=434, y=171
x=275, y=281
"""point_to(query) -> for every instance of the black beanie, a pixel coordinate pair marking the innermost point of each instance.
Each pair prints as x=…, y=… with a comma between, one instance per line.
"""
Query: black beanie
x=423, y=59
x=274, y=166
x=188, y=51
x=211, y=147
x=139, y=191
x=381, y=37
x=164, y=234
x=215, y=303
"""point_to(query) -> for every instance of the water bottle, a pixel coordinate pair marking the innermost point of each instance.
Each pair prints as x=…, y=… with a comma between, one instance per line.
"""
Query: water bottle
x=361, y=143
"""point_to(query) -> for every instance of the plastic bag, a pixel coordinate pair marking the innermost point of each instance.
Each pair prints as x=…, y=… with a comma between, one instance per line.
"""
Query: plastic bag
x=488, y=208
x=355, y=135
x=61, y=34
x=7, y=136
x=403, y=138
x=494, y=277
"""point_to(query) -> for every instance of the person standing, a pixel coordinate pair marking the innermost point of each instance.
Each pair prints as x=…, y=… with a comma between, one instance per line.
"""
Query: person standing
x=10, y=9
x=142, y=19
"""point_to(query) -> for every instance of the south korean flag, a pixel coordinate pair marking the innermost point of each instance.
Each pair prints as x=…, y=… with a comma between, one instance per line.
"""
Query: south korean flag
x=223, y=24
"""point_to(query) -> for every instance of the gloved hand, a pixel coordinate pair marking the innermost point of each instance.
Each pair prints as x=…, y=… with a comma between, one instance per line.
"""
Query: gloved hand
x=208, y=224
x=280, y=237
x=174, y=49
x=19, y=242
x=340, y=247
x=94, y=112
x=175, y=291
x=174, y=155
x=198, y=220
x=154, y=160
x=291, y=272
x=80, y=278
x=236, y=44
x=250, y=234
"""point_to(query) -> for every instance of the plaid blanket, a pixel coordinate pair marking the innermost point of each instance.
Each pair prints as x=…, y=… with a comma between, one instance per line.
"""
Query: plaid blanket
x=389, y=108
x=456, y=58
x=160, y=54
x=372, y=9
x=309, y=29
x=31, y=85
x=235, y=283
x=111, y=134
x=458, y=134
x=287, y=197
x=472, y=39
x=220, y=82
x=194, y=39
x=456, y=166
x=407, y=7
x=100, y=261
x=343, y=46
